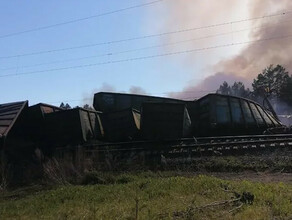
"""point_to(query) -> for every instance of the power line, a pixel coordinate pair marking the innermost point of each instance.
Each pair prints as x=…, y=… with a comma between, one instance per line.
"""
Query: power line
x=143, y=48
x=148, y=57
x=142, y=37
x=79, y=19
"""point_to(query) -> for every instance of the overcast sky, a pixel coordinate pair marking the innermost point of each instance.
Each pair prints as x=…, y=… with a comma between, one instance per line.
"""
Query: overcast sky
x=210, y=40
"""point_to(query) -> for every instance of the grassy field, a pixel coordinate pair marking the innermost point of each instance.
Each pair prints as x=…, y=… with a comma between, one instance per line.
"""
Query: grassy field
x=151, y=196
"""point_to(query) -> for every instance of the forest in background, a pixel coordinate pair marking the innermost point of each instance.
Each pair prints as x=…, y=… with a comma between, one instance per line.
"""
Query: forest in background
x=273, y=83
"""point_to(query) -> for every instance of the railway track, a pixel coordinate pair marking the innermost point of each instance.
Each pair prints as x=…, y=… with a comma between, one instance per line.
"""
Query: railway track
x=196, y=146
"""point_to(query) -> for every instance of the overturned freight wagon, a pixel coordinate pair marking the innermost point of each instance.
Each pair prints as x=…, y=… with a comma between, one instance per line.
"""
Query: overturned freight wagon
x=108, y=101
x=211, y=115
x=72, y=127
x=11, y=133
x=16, y=147
x=219, y=115
x=123, y=125
x=33, y=122
x=165, y=121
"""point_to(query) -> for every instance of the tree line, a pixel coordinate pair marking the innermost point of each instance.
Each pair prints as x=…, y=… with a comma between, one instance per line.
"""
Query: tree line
x=67, y=106
x=274, y=83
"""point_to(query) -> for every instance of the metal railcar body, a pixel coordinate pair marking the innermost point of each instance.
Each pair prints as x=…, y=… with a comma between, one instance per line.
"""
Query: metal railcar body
x=123, y=125
x=33, y=121
x=211, y=115
x=162, y=118
x=219, y=115
x=214, y=123
x=10, y=116
x=108, y=101
x=164, y=121
x=73, y=126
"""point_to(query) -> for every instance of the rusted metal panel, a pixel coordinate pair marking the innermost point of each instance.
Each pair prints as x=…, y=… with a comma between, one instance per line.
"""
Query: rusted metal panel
x=9, y=113
x=46, y=108
x=121, y=125
x=108, y=101
x=164, y=121
x=36, y=113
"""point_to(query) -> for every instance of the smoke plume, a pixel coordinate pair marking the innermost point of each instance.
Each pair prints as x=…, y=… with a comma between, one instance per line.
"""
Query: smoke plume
x=274, y=49
x=137, y=90
x=105, y=87
x=268, y=39
x=209, y=85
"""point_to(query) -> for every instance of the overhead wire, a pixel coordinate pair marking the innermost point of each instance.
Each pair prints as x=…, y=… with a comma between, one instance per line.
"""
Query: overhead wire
x=149, y=57
x=137, y=38
x=144, y=48
x=143, y=37
x=80, y=19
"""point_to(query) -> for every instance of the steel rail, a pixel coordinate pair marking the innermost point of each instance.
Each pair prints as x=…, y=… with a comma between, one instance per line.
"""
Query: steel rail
x=194, y=139
x=261, y=142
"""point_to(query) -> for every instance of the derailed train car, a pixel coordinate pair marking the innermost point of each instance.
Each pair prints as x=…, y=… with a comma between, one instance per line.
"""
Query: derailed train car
x=33, y=121
x=110, y=102
x=219, y=115
x=30, y=135
x=46, y=127
x=11, y=115
x=120, y=118
x=16, y=147
x=123, y=125
x=161, y=119
x=211, y=115
x=165, y=121
x=73, y=127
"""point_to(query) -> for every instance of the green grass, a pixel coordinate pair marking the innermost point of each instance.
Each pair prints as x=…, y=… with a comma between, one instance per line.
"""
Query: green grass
x=270, y=162
x=150, y=196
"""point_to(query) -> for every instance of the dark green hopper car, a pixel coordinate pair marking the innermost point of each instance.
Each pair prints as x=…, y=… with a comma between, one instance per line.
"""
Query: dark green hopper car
x=165, y=121
x=222, y=115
